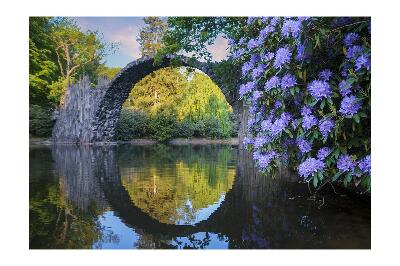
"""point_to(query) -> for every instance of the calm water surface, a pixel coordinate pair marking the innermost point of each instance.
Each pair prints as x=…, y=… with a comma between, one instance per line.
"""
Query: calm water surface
x=124, y=197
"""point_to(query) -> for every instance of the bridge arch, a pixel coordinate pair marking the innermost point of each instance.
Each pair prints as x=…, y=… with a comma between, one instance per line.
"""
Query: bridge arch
x=90, y=115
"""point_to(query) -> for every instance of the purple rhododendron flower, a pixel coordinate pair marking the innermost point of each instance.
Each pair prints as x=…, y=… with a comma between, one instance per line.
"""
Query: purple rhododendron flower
x=268, y=56
x=274, y=21
x=310, y=166
x=247, y=141
x=353, y=51
x=291, y=27
x=301, y=52
x=277, y=105
x=264, y=32
x=345, y=163
x=319, y=89
x=246, y=88
x=280, y=124
x=256, y=95
x=282, y=57
x=349, y=105
x=258, y=71
x=265, y=159
x=238, y=53
x=344, y=88
x=260, y=141
x=273, y=82
x=266, y=124
x=306, y=110
x=295, y=124
x=362, y=61
x=250, y=20
x=246, y=68
x=365, y=165
x=288, y=81
x=325, y=75
x=304, y=145
x=323, y=152
x=309, y=121
x=325, y=126
x=252, y=44
x=255, y=58
x=350, y=38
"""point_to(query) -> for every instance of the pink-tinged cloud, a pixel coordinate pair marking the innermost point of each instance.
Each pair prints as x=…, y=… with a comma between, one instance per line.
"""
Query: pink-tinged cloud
x=219, y=49
x=126, y=37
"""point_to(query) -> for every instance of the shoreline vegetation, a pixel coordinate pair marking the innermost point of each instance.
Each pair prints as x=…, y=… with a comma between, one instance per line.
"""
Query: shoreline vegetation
x=144, y=141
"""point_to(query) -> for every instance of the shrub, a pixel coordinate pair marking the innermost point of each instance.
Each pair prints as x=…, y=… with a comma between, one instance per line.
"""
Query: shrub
x=131, y=124
x=40, y=121
x=308, y=83
x=213, y=128
x=199, y=129
x=185, y=129
x=162, y=126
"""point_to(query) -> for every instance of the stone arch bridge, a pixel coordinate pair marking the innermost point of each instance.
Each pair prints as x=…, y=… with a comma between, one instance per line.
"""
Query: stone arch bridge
x=91, y=114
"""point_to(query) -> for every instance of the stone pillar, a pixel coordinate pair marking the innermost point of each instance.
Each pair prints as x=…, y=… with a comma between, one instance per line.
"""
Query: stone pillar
x=243, y=116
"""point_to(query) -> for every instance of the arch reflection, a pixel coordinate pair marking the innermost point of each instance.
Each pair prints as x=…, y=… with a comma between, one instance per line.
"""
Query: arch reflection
x=186, y=188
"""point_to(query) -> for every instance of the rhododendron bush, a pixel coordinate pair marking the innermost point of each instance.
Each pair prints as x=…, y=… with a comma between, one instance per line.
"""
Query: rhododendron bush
x=307, y=82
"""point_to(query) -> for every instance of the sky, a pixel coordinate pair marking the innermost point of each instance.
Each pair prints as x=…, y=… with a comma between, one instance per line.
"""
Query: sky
x=124, y=30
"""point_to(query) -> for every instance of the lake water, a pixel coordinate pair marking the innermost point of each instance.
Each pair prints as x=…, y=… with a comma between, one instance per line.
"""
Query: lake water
x=159, y=196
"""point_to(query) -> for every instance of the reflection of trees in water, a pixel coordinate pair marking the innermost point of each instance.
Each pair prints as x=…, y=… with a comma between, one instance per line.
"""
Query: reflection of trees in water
x=186, y=180
x=63, y=211
x=258, y=212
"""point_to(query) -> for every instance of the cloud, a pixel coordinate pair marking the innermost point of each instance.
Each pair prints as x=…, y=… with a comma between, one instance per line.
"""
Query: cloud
x=126, y=37
x=122, y=30
x=219, y=49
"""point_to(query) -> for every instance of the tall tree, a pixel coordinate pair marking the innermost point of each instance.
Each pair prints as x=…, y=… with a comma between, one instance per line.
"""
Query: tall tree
x=42, y=66
x=77, y=50
x=150, y=36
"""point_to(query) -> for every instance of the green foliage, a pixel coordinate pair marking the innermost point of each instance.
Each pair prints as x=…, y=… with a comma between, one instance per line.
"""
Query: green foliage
x=59, y=51
x=150, y=36
x=185, y=129
x=161, y=89
x=189, y=97
x=194, y=34
x=108, y=72
x=162, y=126
x=57, y=90
x=42, y=66
x=78, y=52
x=40, y=121
x=131, y=125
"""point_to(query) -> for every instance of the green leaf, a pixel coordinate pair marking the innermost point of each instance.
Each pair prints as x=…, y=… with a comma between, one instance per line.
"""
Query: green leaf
x=336, y=176
x=348, y=177
x=322, y=104
x=313, y=103
x=356, y=118
x=315, y=180
x=289, y=133
x=320, y=176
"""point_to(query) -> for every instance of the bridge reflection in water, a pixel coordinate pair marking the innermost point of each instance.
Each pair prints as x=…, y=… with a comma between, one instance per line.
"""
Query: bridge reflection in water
x=179, y=197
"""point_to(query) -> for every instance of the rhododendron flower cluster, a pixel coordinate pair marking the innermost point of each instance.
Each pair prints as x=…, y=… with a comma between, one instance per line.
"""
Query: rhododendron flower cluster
x=307, y=85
